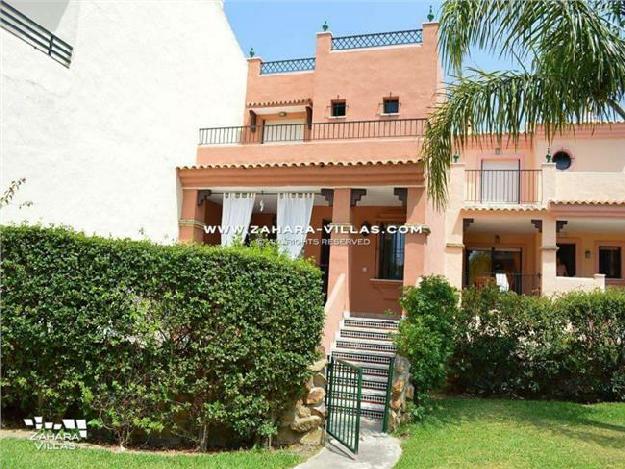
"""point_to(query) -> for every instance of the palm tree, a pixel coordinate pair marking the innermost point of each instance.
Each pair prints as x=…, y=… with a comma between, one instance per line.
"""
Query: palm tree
x=571, y=59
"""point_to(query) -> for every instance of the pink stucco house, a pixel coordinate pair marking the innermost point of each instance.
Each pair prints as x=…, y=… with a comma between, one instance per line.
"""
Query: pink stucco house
x=343, y=130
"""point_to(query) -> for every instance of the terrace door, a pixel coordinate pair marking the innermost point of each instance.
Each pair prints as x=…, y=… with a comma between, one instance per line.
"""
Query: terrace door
x=494, y=265
x=500, y=181
x=287, y=130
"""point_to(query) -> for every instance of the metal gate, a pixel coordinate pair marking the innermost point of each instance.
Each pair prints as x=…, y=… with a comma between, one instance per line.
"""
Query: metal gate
x=343, y=394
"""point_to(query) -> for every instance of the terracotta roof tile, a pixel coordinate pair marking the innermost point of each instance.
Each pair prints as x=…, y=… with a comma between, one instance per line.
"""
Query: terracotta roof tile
x=505, y=208
x=300, y=164
x=588, y=202
x=287, y=102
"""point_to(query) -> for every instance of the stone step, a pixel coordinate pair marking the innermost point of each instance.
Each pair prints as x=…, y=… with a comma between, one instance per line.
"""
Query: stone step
x=371, y=323
x=363, y=358
x=367, y=334
x=372, y=411
x=366, y=344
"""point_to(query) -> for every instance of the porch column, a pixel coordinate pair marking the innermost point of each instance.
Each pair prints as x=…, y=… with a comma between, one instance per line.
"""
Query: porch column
x=340, y=251
x=191, y=223
x=454, y=226
x=548, y=256
x=414, y=244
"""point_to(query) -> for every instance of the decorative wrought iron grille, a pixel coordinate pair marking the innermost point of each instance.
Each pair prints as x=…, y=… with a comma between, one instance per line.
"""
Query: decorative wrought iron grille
x=287, y=66
x=315, y=131
x=503, y=186
x=363, y=41
x=37, y=36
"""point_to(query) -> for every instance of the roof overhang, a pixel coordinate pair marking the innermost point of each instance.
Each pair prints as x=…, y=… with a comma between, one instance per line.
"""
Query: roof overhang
x=324, y=173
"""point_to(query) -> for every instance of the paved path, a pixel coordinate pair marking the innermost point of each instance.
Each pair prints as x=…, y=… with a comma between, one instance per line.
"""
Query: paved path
x=377, y=450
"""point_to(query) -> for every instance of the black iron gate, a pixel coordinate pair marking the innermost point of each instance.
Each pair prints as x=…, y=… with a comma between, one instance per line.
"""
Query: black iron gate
x=343, y=395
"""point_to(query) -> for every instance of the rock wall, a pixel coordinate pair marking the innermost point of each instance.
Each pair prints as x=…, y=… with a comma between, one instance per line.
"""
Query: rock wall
x=402, y=391
x=304, y=422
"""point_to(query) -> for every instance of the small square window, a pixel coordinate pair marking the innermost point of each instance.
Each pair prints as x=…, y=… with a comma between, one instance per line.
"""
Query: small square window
x=610, y=261
x=391, y=105
x=338, y=108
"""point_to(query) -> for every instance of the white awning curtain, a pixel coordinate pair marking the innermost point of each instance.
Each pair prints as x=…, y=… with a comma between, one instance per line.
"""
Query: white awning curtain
x=236, y=216
x=292, y=219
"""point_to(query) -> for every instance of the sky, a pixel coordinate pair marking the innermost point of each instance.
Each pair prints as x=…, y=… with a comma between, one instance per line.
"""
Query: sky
x=285, y=29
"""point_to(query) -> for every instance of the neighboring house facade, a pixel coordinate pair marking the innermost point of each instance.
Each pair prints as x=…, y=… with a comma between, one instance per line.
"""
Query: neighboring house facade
x=101, y=100
x=343, y=131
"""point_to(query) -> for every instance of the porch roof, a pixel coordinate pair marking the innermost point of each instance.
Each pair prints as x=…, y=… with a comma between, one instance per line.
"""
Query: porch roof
x=396, y=173
x=303, y=164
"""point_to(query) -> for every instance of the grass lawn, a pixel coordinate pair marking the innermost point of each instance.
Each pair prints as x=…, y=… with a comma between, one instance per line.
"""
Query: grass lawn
x=495, y=433
x=22, y=454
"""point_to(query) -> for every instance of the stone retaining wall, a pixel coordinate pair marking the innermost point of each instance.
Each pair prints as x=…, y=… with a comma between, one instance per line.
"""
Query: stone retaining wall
x=304, y=422
x=402, y=391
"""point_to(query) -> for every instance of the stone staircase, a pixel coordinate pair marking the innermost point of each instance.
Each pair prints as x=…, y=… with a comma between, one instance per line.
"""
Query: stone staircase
x=368, y=343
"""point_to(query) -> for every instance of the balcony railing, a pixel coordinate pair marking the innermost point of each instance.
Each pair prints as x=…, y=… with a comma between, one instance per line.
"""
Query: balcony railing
x=271, y=133
x=503, y=186
x=364, y=41
x=287, y=66
x=37, y=36
x=520, y=283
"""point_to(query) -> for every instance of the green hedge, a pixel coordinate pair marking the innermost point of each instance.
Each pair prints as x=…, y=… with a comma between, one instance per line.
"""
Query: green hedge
x=426, y=335
x=571, y=347
x=194, y=341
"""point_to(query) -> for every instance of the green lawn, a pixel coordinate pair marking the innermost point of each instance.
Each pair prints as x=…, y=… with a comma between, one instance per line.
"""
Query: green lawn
x=22, y=454
x=494, y=433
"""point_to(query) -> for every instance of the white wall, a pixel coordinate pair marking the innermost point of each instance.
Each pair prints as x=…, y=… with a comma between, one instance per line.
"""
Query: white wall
x=98, y=143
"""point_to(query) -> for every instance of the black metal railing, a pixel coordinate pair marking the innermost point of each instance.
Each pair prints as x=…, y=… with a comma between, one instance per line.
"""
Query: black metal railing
x=392, y=38
x=269, y=133
x=520, y=283
x=287, y=66
x=503, y=186
x=34, y=34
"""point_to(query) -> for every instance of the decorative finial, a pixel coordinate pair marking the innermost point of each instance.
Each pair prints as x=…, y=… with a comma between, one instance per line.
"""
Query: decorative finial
x=325, y=26
x=252, y=53
x=548, y=155
x=430, y=15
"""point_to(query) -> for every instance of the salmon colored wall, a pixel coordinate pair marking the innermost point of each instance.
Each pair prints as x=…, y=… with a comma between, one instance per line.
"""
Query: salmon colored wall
x=362, y=77
x=473, y=155
x=600, y=150
x=276, y=87
x=343, y=150
x=367, y=294
x=435, y=246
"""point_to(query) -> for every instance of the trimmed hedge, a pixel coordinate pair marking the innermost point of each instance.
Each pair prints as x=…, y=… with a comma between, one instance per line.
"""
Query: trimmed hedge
x=571, y=347
x=426, y=335
x=196, y=341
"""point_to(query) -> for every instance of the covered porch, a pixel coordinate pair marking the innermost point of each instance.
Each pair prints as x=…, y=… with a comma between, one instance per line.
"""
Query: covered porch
x=534, y=252
x=366, y=222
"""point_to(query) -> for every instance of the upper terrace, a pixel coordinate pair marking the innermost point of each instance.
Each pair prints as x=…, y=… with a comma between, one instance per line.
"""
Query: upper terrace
x=358, y=87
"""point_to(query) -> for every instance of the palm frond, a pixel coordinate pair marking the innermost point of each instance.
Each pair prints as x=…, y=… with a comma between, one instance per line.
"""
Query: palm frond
x=575, y=73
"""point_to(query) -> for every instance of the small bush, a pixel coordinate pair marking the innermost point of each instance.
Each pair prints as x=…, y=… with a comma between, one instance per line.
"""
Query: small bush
x=197, y=340
x=426, y=336
x=571, y=347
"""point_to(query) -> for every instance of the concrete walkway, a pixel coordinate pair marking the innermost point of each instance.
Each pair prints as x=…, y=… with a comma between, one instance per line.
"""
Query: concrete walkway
x=377, y=450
